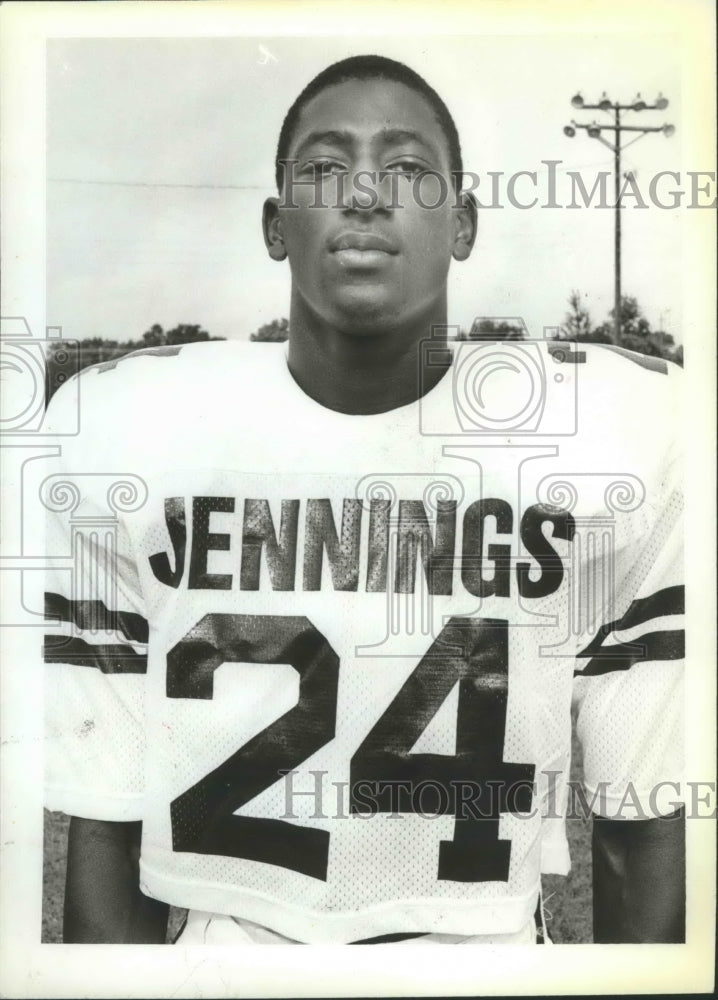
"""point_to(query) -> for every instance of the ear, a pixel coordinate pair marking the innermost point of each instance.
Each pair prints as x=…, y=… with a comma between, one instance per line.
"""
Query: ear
x=467, y=224
x=272, y=230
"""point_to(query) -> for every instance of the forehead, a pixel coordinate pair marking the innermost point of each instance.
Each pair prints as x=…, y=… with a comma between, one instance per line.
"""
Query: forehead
x=368, y=108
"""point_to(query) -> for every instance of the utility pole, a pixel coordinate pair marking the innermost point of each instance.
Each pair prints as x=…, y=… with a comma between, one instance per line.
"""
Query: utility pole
x=594, y=131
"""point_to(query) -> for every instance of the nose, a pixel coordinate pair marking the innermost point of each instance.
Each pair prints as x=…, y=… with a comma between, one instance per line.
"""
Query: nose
x=368, y=190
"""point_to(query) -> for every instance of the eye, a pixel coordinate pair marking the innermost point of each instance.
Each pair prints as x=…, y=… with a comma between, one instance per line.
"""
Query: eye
x=409, y=168
x=324, y=168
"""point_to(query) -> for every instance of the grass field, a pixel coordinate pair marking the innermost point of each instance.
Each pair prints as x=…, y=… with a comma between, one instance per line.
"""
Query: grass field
x=567, y=901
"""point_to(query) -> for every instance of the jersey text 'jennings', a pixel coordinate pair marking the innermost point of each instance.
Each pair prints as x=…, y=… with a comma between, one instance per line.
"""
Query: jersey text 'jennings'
x=399, y=532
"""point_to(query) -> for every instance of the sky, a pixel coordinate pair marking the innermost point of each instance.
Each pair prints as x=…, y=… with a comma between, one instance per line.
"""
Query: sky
x=160, y=154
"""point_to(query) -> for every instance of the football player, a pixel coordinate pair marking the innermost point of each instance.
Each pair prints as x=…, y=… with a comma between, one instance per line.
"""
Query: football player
x=314, y=682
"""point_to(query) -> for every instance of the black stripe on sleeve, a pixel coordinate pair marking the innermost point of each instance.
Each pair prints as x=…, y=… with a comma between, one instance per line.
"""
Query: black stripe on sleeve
x=390, y=938
x=669, y=601
x=651, y=646
x=109, y=659
x=94, y=615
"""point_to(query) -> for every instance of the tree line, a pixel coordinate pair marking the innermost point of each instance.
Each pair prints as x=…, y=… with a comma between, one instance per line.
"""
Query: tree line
x=64, y=358
x=636, y=332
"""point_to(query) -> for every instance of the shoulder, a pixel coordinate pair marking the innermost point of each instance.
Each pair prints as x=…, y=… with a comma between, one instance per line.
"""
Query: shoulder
x=162, y=374
x=623, y=368
x=625, y=389
x=155, y=394
x=634, y=404
x=178, y=361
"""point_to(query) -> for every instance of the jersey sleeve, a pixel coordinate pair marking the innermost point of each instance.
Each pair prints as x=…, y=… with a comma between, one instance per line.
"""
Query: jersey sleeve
x=628, y=683
x=94, y=647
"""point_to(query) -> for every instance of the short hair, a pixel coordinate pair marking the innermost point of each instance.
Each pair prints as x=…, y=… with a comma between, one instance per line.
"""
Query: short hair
x=369, y=67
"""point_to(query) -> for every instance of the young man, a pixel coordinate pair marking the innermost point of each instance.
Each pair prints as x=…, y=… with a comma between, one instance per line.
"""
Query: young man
x=317, y=685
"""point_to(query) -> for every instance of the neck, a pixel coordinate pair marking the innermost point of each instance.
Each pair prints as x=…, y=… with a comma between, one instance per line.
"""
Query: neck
x=367, y=372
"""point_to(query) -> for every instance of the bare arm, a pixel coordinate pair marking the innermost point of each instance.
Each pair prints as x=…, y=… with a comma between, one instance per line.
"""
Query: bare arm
x=639, y=880
x=103, y=902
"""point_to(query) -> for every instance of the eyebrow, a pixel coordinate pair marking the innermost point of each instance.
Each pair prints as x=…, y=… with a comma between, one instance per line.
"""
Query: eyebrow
x=330, y=136
x=347, y=139
x=403, y=135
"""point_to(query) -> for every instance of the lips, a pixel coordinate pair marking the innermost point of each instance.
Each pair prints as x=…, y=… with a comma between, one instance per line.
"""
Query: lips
x=363, y=242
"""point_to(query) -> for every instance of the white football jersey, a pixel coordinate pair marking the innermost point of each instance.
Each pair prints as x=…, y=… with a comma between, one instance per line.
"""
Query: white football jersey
x=329, y=660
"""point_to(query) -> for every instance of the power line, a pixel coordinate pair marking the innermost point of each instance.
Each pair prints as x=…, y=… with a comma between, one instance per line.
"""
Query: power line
x=594, y=130
x=149, y=184
x=557, y=168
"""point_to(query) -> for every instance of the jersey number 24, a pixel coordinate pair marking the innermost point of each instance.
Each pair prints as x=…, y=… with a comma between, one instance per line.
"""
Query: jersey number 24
x=472, y=652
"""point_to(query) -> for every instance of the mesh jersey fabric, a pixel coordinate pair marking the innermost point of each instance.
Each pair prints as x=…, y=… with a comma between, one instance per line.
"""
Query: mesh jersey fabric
x=329, y=660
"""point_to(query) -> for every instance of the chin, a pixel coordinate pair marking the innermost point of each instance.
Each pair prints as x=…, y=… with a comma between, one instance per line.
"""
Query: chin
x=361, y=316
x=364, y=327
